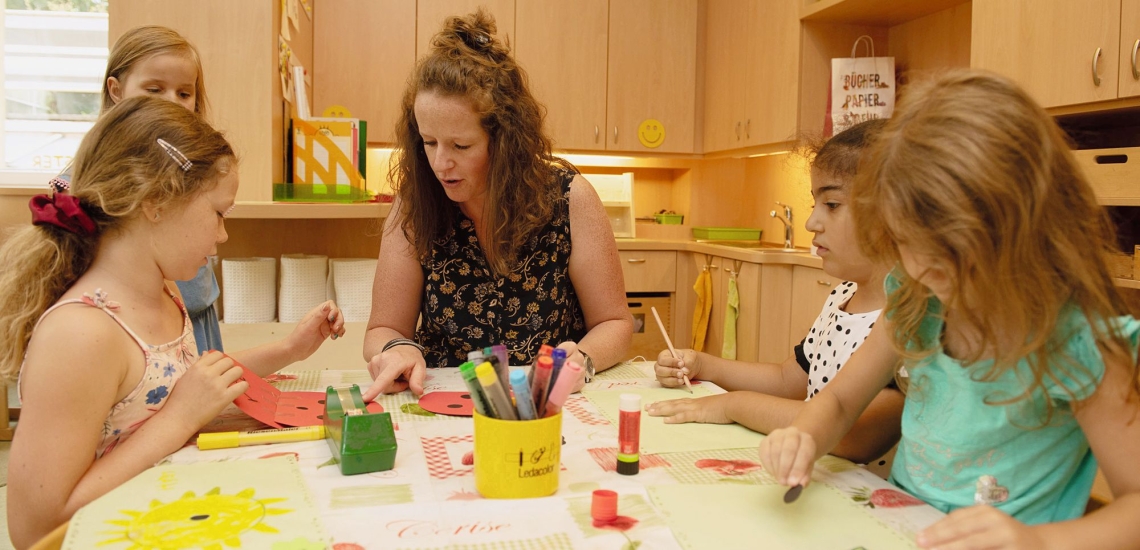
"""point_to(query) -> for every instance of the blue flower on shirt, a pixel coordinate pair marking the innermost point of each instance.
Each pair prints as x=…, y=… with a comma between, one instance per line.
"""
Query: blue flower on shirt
x=168, y=370
x=155, y=396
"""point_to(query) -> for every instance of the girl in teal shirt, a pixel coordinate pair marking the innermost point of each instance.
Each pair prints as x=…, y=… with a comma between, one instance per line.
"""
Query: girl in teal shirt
x=1019, y=359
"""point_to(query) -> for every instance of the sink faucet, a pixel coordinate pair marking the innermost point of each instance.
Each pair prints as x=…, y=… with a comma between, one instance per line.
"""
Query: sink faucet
x=789, y=229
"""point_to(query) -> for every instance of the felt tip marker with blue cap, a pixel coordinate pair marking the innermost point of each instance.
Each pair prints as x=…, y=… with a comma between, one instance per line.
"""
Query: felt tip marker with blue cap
x=523, y=399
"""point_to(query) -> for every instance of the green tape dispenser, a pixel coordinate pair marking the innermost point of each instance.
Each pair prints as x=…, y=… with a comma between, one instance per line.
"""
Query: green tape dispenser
x=361, y=441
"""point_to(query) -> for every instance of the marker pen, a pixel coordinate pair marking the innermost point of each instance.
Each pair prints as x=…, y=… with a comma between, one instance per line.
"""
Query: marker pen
x=629, y=434
x=228, y=440
x=502, y=370
x=478, y=398
x=542, y=351
x=562, y=387
x=497, y=399
x=559, y=357
x=540, y=386
x=476, y=357
x=523, y=399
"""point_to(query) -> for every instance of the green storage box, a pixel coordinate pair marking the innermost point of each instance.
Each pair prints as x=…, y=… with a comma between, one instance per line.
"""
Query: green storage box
x=669, y=219
x=727, y=233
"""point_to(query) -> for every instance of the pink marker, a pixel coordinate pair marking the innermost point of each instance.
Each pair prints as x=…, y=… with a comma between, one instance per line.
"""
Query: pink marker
x=567, y=377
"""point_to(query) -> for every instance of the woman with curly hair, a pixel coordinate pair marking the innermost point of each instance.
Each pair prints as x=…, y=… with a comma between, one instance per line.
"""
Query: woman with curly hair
x=492, y=239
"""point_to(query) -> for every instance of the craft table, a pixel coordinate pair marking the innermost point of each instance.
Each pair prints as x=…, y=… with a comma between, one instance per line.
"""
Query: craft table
x=718, y=498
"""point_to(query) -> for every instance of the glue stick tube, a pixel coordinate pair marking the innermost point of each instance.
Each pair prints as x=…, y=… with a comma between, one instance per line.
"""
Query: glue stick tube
x=523, y=399
x=562, y=387
x=478, y=398
x=500, y=403
x=629, y=434
x=540, y=386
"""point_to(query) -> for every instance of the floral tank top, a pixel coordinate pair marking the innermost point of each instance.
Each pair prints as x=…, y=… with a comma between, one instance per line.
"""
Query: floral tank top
x=466, y=307
x=165, y=364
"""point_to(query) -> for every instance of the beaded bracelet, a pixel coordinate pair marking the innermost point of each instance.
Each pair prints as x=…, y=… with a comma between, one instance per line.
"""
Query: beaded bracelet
x=401, y=342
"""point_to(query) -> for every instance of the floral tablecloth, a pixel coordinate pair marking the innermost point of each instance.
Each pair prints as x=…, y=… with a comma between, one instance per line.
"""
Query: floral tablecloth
x=429, y=499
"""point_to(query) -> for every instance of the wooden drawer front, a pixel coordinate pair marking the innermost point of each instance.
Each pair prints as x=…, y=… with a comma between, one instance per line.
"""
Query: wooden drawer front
x=649, y=271
x=1113, y=173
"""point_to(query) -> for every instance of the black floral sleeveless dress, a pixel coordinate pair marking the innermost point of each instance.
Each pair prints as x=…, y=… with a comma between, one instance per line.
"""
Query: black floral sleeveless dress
x=466, y=306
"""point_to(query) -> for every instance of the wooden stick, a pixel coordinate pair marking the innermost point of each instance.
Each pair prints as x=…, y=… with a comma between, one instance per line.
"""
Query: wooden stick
x=669, y=343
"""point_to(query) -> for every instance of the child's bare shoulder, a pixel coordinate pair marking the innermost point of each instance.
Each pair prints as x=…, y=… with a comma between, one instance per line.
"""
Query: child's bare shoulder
x=77, y=337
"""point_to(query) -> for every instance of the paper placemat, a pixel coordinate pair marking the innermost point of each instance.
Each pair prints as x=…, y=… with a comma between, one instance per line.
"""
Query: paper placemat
x=244, y=503
x=659, y=437
x=732, y=515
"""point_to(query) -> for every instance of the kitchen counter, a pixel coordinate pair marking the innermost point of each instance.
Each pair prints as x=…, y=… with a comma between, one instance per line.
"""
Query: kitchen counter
x=754, y=255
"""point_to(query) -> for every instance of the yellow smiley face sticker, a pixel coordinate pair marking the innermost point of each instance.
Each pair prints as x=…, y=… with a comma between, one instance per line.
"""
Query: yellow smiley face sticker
x=651, y=133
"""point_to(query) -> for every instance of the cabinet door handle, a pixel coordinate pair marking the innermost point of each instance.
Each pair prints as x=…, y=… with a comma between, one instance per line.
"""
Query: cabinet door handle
x=1096, y=61
x=595, y=133
x=636, y=260
x=822, y=282
x=738, y=130
x=748, y=129
x=1135, y=69
x=615, y=134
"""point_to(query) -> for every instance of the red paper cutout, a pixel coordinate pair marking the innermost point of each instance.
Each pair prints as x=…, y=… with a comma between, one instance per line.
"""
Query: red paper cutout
x=452, y=403
x=273, y=407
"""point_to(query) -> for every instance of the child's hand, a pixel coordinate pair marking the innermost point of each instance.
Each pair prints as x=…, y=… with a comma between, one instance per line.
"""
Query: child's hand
x=979, y=527
x=319, y=323
x=705, y=410
x=670, y=371
x=207, y=387
x=393, y=371
x=789, y=455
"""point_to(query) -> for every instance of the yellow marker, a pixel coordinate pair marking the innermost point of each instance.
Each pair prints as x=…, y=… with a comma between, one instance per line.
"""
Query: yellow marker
x=228, y=440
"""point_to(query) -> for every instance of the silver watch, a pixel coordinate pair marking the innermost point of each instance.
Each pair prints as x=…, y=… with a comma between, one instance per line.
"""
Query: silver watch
x=588, y=366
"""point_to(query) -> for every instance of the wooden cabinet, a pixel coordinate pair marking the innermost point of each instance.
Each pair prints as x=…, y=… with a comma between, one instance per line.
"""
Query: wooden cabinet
x=430, y=15
x=363, y=51
x=652, y=75
x=1063, y=52
x=751, y=66
x=562, y=46
x=1129, y=73
x=649, y=270
x=810, y=289
x=599, y=86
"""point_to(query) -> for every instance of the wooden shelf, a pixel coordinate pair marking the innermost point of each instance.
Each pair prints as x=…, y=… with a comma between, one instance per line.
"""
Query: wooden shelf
x=884, y=13
x=296, y=210
x=1127, y=283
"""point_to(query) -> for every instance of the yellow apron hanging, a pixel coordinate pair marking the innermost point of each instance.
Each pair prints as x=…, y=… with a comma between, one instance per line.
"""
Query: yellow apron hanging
x=703, y=288
x=730, y=314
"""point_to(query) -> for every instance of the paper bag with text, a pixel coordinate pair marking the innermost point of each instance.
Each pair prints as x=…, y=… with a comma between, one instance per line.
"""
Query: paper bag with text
x=862, y=88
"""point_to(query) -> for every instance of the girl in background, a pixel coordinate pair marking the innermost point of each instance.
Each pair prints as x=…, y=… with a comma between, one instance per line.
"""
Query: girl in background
x=1021, y=360
x=766, y=396
x=157, y=61
x=85, y=292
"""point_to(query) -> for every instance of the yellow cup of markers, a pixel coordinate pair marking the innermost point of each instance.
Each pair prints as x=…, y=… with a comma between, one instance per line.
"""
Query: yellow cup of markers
x=517, y=458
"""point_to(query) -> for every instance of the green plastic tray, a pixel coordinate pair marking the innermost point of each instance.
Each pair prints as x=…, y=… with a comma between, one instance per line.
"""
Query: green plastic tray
x=727, y=233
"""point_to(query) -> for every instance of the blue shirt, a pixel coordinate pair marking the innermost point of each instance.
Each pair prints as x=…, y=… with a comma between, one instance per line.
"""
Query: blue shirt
x=953, y=432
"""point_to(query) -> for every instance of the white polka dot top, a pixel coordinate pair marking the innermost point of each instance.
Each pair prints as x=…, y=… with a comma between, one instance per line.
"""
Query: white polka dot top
x=835, y=335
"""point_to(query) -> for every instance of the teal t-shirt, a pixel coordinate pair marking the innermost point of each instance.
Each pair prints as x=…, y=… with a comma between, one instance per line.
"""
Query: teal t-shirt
x=952, y=433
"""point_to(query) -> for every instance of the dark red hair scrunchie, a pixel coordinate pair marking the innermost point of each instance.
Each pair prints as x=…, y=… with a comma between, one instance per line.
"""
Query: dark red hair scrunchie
x=63, y=211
